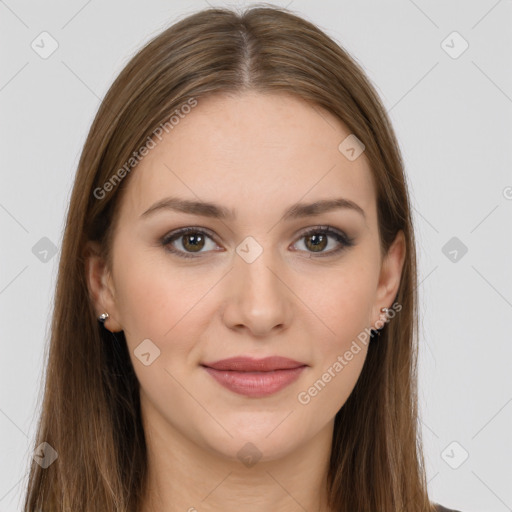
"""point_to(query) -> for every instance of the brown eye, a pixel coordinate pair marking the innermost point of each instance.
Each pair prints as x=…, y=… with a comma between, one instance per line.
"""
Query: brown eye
x=317, y=242
x=317, y=239
x=193, y=240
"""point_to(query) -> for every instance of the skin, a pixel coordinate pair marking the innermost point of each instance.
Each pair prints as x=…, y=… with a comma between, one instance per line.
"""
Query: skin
x=257, y=154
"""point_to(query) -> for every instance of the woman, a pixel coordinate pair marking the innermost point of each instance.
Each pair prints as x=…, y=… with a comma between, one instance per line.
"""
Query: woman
x=240, y=226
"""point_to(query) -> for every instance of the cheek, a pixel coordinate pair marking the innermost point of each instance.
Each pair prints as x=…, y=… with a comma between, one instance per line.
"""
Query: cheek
x=160, y=301
x=341, y=342
x=342, y=301
x=159, y=304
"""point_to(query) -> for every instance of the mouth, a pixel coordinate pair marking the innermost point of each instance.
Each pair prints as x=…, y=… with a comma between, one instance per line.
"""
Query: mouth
x=255, y=377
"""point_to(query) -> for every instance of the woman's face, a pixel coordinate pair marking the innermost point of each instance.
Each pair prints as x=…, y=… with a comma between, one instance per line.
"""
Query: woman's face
x=252, y=283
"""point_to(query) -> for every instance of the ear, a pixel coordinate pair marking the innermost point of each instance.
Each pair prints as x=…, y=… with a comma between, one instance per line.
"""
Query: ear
x=390, y=276
x=101, y=289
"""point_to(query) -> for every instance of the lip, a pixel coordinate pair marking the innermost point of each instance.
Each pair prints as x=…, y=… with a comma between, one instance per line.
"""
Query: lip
x=255, y=377
x=250, y=364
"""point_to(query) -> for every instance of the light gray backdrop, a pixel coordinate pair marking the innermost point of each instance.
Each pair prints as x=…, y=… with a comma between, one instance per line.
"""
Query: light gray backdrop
x=443, y=70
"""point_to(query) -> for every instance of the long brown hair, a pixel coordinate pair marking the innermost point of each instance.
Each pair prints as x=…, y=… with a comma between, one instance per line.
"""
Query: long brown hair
x=90, y=410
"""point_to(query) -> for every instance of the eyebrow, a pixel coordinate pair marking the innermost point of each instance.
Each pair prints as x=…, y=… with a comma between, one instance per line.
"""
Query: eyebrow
x=207, y=209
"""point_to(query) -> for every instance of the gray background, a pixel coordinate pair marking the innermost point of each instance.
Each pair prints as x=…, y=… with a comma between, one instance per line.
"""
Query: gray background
x=453, y=120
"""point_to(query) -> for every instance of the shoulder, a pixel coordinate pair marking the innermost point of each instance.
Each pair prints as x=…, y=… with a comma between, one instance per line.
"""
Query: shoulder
x=440, y=508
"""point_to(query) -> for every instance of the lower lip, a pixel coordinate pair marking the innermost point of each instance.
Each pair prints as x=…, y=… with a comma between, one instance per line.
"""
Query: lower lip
x=255, y=384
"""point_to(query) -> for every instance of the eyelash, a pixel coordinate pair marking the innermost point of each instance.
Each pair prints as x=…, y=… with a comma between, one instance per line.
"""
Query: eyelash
x=339, y=236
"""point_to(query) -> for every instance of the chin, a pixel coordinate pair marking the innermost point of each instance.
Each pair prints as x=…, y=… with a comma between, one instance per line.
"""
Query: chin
x=252, y=450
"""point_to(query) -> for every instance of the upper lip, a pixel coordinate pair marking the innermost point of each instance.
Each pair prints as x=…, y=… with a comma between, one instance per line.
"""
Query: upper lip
x=249, y=364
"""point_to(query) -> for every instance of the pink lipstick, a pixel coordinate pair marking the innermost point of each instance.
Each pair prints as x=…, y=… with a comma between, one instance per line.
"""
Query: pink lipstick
x=255, y=377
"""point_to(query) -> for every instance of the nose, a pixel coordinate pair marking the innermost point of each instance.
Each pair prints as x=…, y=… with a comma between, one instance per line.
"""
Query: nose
x=257, y=297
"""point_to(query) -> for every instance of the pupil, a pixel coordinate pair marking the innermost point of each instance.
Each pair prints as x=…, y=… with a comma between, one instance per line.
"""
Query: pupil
x=196, y=240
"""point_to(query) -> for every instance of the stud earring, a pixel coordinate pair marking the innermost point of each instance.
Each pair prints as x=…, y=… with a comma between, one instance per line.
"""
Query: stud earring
x=103, y=317
x=376, y=332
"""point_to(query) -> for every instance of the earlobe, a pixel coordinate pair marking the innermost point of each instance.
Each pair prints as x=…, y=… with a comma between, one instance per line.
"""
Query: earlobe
x=101, y=292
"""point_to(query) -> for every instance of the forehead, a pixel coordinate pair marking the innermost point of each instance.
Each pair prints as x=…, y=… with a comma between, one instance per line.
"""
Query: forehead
x=253, y=153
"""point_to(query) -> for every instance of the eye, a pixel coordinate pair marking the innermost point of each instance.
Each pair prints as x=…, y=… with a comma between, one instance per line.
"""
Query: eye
x=317, y=239
x=195, y=239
